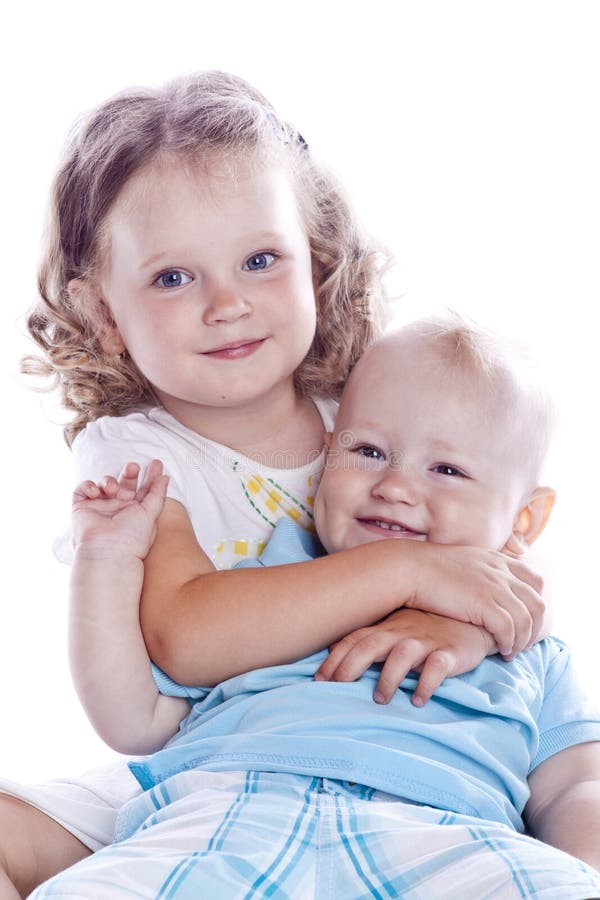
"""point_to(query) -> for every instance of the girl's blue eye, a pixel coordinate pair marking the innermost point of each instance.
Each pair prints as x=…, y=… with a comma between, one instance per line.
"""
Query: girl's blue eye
x=259, y=261
x=443, y=469
x=172, y=279
x=370, y=452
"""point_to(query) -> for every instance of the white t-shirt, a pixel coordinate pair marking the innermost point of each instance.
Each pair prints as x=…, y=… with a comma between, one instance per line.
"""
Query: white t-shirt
x=233, y=502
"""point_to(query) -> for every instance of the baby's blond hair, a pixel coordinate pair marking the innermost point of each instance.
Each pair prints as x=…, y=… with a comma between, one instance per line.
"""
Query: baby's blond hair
x=505, y=367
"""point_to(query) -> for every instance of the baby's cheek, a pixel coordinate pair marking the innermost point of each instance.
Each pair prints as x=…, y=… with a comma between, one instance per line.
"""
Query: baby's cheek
x=461, y=523
x=322, y=523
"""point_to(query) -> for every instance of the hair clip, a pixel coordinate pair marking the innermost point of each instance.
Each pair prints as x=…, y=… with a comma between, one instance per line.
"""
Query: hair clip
x=282, y=131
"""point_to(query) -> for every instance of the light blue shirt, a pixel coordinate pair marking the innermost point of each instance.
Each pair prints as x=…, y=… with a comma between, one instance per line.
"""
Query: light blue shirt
x=468, y=750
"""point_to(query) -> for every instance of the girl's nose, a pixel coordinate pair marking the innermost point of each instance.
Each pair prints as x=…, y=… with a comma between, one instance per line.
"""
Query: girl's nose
x=397, y=486
x=224, y=304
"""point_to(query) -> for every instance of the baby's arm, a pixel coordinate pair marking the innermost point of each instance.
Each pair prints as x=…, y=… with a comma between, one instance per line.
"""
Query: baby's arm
x=408, y=640
x=113, y=527
x=564, y=805
x=203, y=626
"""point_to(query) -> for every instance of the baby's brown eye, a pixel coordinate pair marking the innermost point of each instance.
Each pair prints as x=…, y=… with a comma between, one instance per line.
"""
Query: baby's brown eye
x=370, y=452
x=443, y=469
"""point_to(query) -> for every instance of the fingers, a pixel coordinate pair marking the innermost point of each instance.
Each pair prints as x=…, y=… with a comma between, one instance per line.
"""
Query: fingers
x=512, y=611
x=152, y=473
x=107, y=488
x=154, y=500
x=402, y=658
x=338, y=656
x=353, y=655
x=128, y=478
x=522, y=571
x=438, y=665
x=510, y=628
x=528, y=587
x=153, y=489
x=87, y=490
x=126, y=485
x=519, y=621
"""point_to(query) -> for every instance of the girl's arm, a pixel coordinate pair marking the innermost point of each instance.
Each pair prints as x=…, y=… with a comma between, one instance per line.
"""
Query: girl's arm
x=564, y=805
x=203, y=626
x=113, y=527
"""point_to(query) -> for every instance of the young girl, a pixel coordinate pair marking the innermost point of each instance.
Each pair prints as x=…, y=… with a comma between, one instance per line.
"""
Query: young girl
x=204, y=295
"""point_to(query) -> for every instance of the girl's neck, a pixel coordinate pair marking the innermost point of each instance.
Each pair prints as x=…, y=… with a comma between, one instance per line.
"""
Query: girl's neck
x=284, y=432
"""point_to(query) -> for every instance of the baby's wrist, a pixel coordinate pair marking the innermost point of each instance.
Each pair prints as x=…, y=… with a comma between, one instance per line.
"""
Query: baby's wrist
x=103, y=550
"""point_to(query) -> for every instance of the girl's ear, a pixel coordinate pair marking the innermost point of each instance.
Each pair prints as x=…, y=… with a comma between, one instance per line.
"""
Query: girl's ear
x=531, y=521
x=94, y=309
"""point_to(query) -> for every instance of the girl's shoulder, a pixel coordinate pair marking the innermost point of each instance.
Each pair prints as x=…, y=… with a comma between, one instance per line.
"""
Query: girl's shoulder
x=138, y=421
x=147, y=433
x=143, y=428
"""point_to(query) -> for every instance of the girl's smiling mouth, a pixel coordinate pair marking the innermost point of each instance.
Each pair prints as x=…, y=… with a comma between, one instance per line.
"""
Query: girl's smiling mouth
x=236, y=349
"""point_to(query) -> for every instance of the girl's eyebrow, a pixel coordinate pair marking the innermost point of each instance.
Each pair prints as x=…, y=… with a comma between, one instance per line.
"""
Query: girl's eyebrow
x=266, y=236
x=152, y=260
x=252, y=238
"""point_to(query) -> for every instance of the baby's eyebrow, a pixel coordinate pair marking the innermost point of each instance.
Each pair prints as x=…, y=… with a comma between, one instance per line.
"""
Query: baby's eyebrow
x=438, y=444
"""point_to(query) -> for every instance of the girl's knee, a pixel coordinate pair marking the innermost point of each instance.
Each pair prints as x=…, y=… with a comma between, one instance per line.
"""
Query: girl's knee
x=33, y=847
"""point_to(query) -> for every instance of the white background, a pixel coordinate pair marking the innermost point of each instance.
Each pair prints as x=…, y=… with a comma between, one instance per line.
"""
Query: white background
x=468, y=136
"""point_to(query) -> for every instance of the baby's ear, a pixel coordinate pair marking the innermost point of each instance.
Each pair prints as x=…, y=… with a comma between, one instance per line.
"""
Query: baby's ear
x=86, y=298
x=531, y=520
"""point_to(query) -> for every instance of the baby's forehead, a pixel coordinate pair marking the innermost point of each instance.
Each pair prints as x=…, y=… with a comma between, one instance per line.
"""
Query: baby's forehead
x=502, y=400
x=401, y=363
x=403, y=375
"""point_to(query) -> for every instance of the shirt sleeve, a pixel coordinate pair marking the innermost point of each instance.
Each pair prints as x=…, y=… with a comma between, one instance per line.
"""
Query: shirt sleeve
x=568, y=716
x=170, y=688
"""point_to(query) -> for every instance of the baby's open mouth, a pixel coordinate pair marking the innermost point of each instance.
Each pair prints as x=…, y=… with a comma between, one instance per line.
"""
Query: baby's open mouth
x=395, y=529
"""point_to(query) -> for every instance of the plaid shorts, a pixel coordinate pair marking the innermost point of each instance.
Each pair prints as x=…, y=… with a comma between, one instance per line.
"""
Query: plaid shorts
x=214, y=836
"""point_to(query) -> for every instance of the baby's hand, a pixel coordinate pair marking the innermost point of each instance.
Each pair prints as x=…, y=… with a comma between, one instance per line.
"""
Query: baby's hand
x=406, y=640
x=115, y=517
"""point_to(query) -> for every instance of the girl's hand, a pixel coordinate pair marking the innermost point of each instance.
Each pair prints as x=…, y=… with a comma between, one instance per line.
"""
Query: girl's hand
x=483, y=587
x=115, y=517
x=406, y=640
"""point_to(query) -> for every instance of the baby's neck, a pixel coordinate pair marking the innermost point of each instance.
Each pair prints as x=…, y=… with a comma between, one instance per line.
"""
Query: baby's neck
x=285, y=433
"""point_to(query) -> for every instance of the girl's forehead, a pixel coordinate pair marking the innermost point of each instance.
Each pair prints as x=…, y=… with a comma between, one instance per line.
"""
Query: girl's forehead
x=215, y=179
x=176, y=207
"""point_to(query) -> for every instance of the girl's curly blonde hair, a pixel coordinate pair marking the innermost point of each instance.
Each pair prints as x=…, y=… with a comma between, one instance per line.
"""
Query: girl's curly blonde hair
x=199, y=117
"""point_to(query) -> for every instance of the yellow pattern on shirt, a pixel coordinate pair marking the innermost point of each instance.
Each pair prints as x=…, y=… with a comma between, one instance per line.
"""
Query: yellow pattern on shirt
x=270, y=501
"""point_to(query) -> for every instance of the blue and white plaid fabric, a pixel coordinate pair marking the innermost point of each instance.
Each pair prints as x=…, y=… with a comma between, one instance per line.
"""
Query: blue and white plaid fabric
x=216, y=836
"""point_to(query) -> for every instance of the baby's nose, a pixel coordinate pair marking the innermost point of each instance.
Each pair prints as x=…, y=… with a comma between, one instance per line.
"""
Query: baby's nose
x=398, y=484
